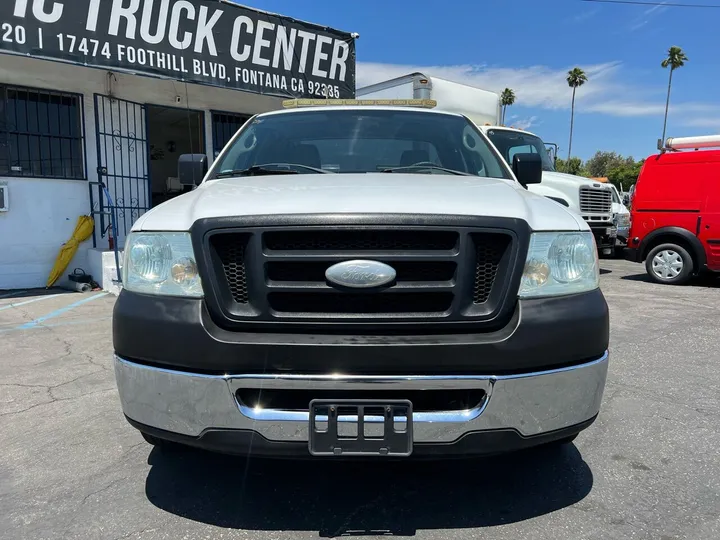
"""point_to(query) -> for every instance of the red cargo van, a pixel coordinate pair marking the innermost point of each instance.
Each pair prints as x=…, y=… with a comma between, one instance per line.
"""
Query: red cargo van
x=676, y=211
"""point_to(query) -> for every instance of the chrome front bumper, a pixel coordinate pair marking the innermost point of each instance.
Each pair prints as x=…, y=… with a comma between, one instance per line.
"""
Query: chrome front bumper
x=532, y=404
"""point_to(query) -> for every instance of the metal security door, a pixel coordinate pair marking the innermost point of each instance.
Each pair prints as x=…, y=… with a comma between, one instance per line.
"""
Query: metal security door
x=122, y=165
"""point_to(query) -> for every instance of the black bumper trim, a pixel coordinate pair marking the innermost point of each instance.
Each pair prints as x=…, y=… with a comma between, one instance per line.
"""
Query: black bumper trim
x=632, y=255
x=178, y=333
x=250, y=443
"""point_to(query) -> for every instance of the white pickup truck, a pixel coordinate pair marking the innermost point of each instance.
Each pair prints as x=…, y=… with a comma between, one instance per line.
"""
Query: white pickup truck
x=351, y=281
x=592, y=200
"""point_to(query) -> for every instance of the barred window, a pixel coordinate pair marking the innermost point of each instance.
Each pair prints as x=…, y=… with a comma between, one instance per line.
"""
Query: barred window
x=225, y=126
x=41, y=134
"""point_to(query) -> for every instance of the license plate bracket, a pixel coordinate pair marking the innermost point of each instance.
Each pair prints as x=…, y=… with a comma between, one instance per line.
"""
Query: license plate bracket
x=361, y=428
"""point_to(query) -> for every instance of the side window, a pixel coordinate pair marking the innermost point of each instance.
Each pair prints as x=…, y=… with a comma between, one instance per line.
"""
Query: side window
x=224, y=127
x=481, y=159
x=525, y=149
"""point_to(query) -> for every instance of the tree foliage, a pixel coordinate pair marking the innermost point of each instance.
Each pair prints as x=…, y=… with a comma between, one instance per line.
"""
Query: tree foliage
x=625, y=175
x=600, y=164
x=675, y=59
x=619, y=170
x=507, y=99
x=574, y=165
x=576, y=77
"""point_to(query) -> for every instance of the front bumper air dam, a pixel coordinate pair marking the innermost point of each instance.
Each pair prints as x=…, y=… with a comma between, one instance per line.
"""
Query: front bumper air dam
x=518, y=410
x=179, y=334
x=605, y=234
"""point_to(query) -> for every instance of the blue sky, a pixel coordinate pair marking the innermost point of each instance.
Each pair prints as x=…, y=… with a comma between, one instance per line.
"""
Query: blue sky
x=529, y=46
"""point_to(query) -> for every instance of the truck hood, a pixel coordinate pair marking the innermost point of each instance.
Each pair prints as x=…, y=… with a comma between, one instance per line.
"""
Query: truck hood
x=358, y=193
x=568, y=179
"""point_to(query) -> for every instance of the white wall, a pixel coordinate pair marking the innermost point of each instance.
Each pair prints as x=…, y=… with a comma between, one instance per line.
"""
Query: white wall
x=43, y=212
x=42, y=216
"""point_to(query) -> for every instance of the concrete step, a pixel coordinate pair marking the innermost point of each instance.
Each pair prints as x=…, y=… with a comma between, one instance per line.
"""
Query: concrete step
x=103, y=269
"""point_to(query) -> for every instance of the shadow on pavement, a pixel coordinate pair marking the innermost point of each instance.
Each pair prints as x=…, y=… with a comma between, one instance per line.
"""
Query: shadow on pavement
x=360, y=498
x=20, y=295
x=704, y=280
x=604, y=271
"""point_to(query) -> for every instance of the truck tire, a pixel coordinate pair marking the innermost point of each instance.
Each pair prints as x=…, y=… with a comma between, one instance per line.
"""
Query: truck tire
x=669, y=264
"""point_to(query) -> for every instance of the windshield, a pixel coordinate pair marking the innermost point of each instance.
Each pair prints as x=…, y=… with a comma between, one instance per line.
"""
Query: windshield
x=510, y=143
x=361, y=141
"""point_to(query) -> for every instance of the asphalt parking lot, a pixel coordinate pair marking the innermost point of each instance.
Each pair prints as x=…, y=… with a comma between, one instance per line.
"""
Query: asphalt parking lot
x=71, y=467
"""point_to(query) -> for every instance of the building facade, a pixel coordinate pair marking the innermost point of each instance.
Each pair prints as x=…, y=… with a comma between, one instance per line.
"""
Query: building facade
x=79, y=138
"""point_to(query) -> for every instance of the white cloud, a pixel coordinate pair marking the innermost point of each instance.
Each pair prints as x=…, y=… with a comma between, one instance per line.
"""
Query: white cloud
x=524, y=123
x=659, y=8
x=704, y=122
x=535, y=86
x=647, y=15
x=606, y=92
x=584, y=16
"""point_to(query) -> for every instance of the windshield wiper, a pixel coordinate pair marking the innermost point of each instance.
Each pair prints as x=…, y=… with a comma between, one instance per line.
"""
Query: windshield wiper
x=427, y=167
x=269, y=169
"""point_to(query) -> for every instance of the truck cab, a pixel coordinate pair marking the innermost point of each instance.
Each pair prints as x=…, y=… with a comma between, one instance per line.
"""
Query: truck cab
x=592, y=200
x=676, y=232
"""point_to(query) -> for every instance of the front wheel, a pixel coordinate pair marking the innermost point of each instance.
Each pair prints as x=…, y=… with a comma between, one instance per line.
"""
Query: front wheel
x=669, y=264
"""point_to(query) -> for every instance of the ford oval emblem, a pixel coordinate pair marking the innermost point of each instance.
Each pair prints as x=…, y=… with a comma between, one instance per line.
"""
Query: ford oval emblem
x=360, y=275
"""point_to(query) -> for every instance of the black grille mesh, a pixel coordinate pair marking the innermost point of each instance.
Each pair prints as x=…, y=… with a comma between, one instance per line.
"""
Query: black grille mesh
x=489, y=250
x=231, y=250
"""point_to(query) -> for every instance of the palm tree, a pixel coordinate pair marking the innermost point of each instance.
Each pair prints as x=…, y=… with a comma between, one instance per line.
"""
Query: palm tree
x=675, y=59
x=507, y=98
x=575, y=78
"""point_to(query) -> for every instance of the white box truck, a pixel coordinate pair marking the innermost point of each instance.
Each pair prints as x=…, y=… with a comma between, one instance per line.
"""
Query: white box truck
x=592, y=200
x=480, y=106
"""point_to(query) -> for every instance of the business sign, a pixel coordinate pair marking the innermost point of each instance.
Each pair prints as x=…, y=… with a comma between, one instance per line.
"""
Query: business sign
x=209, y=42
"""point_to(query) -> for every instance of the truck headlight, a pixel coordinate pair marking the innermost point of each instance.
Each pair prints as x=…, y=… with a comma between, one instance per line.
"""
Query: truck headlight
x=622, y=220
x=161, y=263
x=559, y=264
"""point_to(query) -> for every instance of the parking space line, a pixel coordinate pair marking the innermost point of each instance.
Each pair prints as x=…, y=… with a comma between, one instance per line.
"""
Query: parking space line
x=59, y=312
x=3, y=308
x=66, y=323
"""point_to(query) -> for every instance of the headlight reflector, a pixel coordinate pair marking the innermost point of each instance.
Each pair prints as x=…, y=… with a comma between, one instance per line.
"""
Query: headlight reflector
x=623, y=220
x=559, y=264
x=161, y=263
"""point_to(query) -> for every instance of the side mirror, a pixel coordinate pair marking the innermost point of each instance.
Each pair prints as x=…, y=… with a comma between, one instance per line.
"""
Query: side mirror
x=527, y=168
x=192, y=168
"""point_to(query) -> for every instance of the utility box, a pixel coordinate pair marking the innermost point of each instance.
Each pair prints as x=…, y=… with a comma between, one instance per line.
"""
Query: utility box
x=4, y=197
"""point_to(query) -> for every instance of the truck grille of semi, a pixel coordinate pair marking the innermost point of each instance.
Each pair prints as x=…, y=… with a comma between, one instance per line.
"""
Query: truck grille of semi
x=277, y=276
x=595, y=200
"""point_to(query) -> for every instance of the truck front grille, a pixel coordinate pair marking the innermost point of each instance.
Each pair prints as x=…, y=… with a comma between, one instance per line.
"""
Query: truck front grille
x=230, y=250
x=275, y=276
x=595, y=200
x=488, y=256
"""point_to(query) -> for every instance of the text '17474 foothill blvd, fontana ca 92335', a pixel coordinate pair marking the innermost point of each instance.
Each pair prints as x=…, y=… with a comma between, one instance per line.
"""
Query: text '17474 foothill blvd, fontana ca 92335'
x=205, y=42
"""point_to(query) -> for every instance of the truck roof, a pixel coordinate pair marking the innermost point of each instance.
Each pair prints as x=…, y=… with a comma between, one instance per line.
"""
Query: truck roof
x=390, y=83
x=516, y=130
x=686, y=156
x=357, y=108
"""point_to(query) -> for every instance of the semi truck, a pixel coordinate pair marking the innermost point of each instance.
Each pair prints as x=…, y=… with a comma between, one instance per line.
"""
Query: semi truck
x=592, y=200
